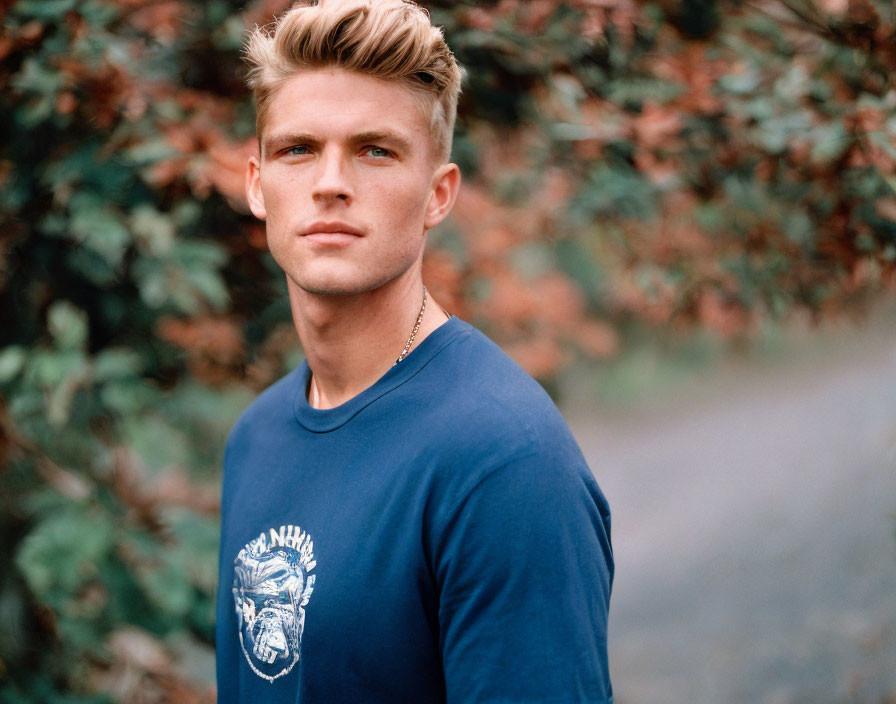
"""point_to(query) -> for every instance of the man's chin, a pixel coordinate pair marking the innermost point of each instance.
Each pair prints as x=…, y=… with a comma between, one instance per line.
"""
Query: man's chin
x=334, y=286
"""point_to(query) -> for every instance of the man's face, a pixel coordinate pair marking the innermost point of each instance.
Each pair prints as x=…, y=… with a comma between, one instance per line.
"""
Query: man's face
x=347, y=181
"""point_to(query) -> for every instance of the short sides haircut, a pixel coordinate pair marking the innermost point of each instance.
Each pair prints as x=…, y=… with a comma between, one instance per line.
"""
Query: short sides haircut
x=389, y=39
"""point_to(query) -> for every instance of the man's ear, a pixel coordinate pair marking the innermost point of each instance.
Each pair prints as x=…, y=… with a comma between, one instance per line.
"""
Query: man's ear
x=445, y=186
x=253, y=188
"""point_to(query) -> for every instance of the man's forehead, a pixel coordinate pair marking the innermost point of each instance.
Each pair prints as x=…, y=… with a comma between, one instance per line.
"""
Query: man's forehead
x=345, y=102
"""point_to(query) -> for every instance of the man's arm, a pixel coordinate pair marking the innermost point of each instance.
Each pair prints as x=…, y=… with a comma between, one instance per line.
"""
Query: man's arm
x=524, y=568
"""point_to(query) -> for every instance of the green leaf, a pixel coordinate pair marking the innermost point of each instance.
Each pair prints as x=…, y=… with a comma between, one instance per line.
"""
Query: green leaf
x=116, y=363
x=63, y=552
x=150, y=152
x=167, y=589
x=775, y=133
x=153, y=230
x=831, y=141
x=881, y=139
x=891, y=182
x=798, y=227
x=67, y=325
x=36, y=78
x=635, y=90
x=613, y=192
x=93, y=267
x=158, y=443
x=740, y=83
x=12, y=360
x=532, y=260
x=127, y=397
x=198, y=539
x=50, y=368
x=153, y=281
x=101, y=231
x=211, y=288
x=43, y=9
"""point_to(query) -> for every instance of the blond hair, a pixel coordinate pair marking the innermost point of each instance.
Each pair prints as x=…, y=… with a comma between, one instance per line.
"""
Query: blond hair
x=389, y=39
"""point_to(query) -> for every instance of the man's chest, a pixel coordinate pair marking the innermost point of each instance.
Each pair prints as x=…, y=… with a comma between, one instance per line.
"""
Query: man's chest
x=329, y=572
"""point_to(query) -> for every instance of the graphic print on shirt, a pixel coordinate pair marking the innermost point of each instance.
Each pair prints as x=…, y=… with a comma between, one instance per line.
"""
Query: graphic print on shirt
x=271, y=587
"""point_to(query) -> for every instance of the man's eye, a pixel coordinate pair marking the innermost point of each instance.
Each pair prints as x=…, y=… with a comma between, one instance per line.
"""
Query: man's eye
x=298, y=151
x=378, y=152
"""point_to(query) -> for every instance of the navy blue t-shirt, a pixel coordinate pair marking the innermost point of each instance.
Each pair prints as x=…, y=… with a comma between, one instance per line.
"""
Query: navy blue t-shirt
x=437, y=538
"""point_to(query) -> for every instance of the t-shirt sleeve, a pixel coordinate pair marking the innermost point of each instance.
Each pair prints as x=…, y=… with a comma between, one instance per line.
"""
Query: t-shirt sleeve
x=524, y=569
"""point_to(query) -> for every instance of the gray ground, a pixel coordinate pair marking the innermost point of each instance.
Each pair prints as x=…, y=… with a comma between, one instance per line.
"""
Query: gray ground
x=754, y=528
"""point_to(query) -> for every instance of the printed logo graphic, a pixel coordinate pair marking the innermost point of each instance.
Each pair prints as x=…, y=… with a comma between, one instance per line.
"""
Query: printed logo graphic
x=271, y=587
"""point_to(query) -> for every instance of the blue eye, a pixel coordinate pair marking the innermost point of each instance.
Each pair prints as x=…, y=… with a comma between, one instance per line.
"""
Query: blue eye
x=378, y=152
x=298, y=151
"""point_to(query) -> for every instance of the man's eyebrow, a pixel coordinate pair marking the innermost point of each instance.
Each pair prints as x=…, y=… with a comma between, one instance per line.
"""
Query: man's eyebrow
x=383, y=136
x=275, y=142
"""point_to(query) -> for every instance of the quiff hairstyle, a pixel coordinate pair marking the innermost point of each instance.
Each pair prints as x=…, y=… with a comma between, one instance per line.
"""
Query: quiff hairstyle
x=389, y=39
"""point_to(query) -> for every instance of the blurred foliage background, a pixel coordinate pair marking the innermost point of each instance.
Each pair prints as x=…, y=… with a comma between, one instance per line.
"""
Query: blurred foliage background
x=656, y=168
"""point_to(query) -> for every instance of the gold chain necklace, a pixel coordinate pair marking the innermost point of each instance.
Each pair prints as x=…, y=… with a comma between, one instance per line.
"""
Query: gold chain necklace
x=407, y=346
x=312, y=387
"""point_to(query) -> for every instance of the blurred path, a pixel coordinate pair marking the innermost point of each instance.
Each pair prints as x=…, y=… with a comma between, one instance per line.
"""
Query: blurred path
x=754, y=529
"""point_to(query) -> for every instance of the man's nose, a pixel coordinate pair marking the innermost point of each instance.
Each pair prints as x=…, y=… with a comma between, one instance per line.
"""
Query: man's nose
x=334, y=178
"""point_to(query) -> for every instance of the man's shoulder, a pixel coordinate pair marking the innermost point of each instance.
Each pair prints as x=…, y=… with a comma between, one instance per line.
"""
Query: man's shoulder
x=481, y=398
x=479, y=377
x=503, y=447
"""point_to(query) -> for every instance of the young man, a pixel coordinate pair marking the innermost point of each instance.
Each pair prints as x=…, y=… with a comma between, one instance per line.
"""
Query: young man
x=405, y=517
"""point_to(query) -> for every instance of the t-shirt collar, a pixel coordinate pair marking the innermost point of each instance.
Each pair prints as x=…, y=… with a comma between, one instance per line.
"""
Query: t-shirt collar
x=326, y=420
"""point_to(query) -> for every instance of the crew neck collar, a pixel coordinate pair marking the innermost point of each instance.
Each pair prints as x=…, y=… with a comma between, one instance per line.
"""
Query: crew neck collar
x=325, y=420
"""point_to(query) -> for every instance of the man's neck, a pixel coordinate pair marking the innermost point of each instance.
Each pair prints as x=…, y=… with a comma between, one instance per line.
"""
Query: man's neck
x=351, y=341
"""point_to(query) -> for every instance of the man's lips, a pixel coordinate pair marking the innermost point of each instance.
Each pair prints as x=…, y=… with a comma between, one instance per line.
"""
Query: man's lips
x=331, y=231
x=331, y=239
